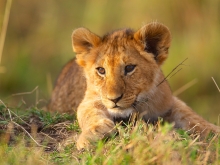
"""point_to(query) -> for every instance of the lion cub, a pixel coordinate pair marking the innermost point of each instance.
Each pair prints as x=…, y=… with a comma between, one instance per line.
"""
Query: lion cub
x=116, y=75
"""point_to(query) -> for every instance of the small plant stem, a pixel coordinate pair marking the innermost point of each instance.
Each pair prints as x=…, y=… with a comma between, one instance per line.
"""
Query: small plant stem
x=172, y=72
x=216, y=84
x=23, y=93
x=29, y=135
x=9, y=112
x=185, y=87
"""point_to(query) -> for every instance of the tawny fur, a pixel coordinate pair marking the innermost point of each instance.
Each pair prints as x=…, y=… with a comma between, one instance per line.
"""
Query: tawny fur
x=100, y=97
x=69, y=89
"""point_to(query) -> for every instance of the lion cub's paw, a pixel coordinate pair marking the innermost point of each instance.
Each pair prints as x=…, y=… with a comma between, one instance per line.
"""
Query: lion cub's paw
x=82, y=142
x=102, y=128
x=99, y=130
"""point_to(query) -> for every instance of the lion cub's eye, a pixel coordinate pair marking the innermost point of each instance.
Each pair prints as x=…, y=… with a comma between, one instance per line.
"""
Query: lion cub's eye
x=101, y=70
x=129, y=68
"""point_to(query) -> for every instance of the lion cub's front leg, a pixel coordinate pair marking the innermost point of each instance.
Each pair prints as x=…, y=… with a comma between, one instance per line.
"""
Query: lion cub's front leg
x=95, y=124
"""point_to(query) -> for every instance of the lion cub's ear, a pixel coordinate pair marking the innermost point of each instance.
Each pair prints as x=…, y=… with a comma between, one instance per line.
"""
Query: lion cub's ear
x=156, y=39
x=83, y=40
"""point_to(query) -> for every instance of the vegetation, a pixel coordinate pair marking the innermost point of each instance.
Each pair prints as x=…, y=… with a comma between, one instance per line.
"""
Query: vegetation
x=38, y=44
x=36, y=137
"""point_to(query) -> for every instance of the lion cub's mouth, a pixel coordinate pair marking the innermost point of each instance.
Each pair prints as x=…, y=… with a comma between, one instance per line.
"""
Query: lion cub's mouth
x=122, y=108
x=120, y=112
x=117, y=107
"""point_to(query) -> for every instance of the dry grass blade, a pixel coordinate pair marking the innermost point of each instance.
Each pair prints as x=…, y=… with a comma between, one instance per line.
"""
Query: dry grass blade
x=185, y=87
x=213, y=140
x=23, y=93
x=172, y=72
x=44, y=134
x=27, y=93
x=216, y=84
x=205, y=160
x=29, y=135
x=9, y=112
x=4, y=26
x=194, y=141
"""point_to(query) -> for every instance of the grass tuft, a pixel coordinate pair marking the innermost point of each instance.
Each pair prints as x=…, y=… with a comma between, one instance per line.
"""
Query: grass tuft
x=137, y=143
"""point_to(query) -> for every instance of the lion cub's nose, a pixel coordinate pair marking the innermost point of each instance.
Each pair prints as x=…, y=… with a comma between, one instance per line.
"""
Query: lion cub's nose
x=115, y=100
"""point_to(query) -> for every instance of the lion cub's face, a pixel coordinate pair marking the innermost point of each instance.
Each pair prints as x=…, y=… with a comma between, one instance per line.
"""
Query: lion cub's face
x=122, y=65
x=121, y=74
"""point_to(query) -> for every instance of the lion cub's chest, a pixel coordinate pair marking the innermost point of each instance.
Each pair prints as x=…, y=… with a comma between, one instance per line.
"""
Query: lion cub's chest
x=148, y=114
x=131, y=115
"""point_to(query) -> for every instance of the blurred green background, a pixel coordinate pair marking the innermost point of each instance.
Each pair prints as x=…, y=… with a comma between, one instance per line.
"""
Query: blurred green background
x=38, y=44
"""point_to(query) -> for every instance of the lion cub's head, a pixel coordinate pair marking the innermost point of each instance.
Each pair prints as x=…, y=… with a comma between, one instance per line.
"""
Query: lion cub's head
x=122, y=66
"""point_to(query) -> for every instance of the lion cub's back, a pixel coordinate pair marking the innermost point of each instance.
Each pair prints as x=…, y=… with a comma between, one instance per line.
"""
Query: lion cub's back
x=69, y=89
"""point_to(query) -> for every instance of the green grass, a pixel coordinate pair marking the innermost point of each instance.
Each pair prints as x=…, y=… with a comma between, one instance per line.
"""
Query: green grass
x=32, y=136
x=139, y=144
x=37, y=45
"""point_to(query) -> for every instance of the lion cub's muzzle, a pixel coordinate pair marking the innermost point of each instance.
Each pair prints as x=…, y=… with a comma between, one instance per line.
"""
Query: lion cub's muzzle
x=120, y=103
x=113, y=102
x=116, y=100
